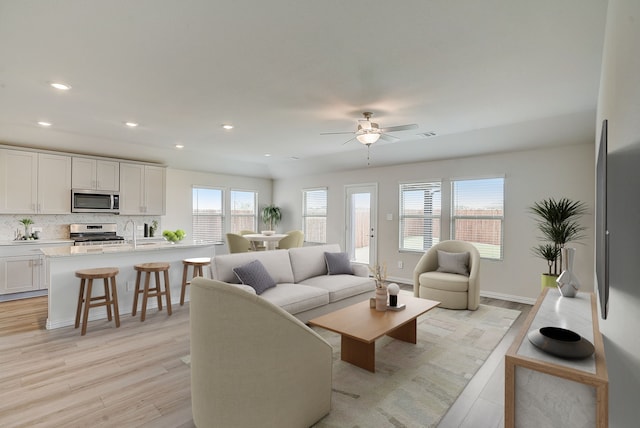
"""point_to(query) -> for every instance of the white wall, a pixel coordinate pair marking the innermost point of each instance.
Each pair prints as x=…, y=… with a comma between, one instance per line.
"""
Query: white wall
x=181, y=182
x=619, y=103
x=530, y=176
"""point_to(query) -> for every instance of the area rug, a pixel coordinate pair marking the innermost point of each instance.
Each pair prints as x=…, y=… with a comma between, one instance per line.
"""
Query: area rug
x=414, y=385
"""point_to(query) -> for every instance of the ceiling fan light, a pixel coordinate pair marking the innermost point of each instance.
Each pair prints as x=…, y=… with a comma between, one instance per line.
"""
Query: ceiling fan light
x=368, y=138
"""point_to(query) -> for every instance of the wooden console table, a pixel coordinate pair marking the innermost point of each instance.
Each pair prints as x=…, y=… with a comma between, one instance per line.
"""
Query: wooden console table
x=542, y=390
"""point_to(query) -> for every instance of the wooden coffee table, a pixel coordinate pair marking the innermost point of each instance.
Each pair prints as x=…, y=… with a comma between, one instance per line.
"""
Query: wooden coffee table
x=360, y=326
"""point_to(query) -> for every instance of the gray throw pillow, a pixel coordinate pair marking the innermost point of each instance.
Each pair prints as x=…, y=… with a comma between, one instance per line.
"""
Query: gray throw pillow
x=453, y=262
x=338, y=263
x=255, y=274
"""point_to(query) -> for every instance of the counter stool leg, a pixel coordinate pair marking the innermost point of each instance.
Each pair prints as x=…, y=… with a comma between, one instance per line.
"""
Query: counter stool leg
x=135, y=294
x=167, y=290
x=185, y=270
x=80, y=301
x=87, y=303
x=158, y=290
x=114, y=299
x=145, y=294
x=107, y=298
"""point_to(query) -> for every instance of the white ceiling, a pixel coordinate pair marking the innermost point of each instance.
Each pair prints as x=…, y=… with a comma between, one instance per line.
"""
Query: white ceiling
x=486, y=76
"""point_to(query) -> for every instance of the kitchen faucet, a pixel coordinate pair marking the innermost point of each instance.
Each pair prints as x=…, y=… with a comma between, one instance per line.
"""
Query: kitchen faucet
x=133, y=234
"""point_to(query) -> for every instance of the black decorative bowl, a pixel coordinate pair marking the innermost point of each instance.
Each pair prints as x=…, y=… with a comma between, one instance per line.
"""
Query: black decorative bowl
x=561, y=342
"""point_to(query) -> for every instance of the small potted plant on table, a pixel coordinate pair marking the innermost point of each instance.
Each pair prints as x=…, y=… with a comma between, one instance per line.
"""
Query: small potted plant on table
x=271, y=216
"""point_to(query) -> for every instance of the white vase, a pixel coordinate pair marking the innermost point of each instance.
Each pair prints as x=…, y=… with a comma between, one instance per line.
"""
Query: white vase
x=381, y=299
x=567, y=282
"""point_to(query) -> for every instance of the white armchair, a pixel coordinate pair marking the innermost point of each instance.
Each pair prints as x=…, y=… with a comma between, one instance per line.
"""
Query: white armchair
x=252, y=363
x=453, y=291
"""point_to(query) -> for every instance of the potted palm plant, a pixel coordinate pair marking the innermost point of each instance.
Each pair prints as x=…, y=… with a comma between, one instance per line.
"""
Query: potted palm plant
x=557, y=220
x=271, y=216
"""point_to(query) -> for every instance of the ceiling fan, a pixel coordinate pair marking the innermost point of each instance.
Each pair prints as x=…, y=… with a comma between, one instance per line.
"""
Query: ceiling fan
x=369, y=132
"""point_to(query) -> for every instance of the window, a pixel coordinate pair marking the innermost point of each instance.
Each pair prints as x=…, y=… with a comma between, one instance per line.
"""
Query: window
x=208, y=214
x=420, y=207
x=243, y=211
x=477, y=214
x=314, y=215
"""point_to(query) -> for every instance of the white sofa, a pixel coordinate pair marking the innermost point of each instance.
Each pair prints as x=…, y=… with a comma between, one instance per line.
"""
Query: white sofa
x=304, y=289
x=252, y=363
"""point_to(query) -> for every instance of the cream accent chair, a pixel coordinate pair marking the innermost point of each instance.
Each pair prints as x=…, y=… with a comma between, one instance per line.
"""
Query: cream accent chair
x=247, y=232
x=252, y=363
x=452, y=290
x=294, y=239
x=238, y=243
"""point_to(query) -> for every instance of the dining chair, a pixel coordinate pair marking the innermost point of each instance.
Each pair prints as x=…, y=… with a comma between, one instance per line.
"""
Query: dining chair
x=238, y=243
x=294, y=239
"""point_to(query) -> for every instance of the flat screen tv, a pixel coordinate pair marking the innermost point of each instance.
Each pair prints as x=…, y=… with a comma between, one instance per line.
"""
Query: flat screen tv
x=602, y=232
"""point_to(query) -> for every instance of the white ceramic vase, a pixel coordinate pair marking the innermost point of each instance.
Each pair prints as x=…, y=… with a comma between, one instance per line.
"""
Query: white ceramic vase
x=381, y=298
x=567, y=282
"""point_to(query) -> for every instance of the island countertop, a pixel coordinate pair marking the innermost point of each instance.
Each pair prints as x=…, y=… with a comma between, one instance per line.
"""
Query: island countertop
x=83, y=250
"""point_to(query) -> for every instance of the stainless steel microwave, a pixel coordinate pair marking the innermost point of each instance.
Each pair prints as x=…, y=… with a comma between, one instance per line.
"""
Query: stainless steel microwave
x=95, y=201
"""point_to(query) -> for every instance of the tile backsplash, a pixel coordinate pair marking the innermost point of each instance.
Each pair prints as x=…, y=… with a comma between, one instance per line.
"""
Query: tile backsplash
x=57, y=226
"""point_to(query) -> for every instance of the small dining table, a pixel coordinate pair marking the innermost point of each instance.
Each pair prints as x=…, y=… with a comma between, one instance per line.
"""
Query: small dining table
x=270, y=241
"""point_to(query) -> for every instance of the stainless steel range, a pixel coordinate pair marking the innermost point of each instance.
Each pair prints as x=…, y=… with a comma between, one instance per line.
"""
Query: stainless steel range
x=95, y=234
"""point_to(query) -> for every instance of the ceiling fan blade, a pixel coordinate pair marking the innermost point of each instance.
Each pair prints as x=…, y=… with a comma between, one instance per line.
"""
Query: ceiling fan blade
x=348, y=141
x=335, y=133
x=400, y=128
x=389, y=138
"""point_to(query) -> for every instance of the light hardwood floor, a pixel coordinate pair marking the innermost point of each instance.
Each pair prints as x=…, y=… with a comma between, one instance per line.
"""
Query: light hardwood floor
x=132, y=376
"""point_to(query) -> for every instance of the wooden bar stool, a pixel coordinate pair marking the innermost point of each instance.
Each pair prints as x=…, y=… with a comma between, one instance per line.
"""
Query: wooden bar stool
x=197, y=263
x=109, y=299
x=148, y=269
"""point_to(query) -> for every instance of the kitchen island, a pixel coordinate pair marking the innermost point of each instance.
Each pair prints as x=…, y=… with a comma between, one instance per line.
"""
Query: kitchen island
x=63, y=262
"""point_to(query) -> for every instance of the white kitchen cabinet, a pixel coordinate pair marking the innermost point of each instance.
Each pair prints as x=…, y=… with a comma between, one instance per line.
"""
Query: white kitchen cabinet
x=18, y=182
x=54, y=184
x=142, y=189
x=21, y=273
x=95, y=174
x=23, y=268
x=34, y=183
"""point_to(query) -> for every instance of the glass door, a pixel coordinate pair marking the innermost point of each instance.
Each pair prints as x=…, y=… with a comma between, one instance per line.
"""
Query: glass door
x=361, y=224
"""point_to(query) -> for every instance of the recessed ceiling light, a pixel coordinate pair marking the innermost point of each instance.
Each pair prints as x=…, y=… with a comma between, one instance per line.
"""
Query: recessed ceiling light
x=179, y=146
x=227, y=127
x=131, y=124
x=267, y=155
x=43, y=123
x=61, y=86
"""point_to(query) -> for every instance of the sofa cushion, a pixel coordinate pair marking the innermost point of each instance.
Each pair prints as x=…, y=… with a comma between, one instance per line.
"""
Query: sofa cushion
x=295, y=298
x=338, y=263
x=276, y=262
x=255, y=275
x=453, y=262
x=341, y=286
x=307, y=262
x=444, y=281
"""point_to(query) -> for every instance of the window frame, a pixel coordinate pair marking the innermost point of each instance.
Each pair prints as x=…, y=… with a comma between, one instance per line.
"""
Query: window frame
x=501, y=218
x=221, y=216
x=308, y=237
x=417, y=185
x=231, y=215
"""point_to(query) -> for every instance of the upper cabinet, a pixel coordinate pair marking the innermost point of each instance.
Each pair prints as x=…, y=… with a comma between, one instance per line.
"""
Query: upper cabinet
x=95, y=174
x=54, y=184
x=142, y=189
x=34, y=183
